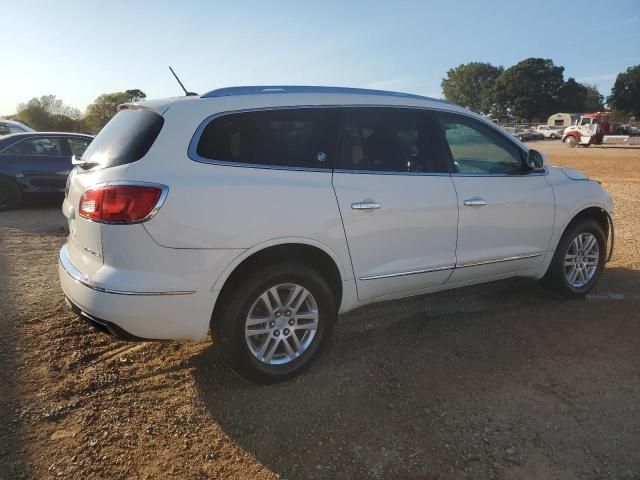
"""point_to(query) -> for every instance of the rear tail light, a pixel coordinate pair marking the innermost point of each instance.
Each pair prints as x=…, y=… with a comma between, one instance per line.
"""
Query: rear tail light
x=118, y=203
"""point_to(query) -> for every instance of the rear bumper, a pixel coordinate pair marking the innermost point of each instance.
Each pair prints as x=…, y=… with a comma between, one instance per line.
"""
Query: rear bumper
x=136, y=315
x=104, y=326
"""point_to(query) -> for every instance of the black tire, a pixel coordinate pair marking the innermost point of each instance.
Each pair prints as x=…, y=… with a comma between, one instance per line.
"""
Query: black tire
x=9, y=194
x=555, y=278
x=553, y=136
x=229, y=327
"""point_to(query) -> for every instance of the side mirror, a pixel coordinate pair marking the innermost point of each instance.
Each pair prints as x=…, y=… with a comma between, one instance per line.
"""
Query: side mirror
x=536, y=160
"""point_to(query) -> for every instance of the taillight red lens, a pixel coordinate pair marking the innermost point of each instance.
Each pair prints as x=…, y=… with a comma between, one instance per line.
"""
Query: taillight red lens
x=119, y=203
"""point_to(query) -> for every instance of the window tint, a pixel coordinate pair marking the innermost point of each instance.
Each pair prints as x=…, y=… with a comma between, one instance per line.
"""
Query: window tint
x=392, y=140
x=4, y=129
x=35, y=146
x=125, y=139
x=477, y=149
x=287, y=138
x=78, y=145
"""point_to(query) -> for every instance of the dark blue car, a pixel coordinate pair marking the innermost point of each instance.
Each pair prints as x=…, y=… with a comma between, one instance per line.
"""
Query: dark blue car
x=36, y=163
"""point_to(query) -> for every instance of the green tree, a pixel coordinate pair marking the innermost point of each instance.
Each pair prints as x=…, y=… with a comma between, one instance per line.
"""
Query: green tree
x=594, y=101
x=105, y=107
x=625, y=94
x=48, y=113
x=530, y=89
x=572, y=96
x=472, y=85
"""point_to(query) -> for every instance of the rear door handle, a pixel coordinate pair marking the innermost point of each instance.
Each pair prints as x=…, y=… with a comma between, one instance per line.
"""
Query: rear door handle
x=365, y=206
x=475, y=202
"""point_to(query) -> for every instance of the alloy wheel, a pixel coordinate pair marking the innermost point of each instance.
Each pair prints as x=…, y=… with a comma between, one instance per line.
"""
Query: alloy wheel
x=581, y=260
x=281, y=324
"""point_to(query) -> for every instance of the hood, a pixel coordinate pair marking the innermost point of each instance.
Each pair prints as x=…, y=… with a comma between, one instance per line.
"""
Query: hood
x=574, y=174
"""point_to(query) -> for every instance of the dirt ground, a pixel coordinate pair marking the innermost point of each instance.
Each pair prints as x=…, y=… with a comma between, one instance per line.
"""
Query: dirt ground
x=494, y=381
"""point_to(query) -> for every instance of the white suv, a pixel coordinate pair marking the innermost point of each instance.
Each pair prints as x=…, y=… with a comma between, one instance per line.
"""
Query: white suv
x=264, y=212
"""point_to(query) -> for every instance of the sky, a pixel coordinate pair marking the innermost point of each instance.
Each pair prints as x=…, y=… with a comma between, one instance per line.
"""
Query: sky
x=79, y=50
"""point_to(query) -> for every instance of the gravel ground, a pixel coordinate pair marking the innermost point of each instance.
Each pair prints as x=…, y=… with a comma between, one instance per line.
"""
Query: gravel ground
x=494, y=381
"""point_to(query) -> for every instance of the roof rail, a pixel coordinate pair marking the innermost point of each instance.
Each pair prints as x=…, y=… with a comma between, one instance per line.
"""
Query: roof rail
x=266, y=89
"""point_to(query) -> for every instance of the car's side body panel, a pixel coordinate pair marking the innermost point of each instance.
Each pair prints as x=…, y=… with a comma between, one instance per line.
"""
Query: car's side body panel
x=507, y=234
x=409, y=242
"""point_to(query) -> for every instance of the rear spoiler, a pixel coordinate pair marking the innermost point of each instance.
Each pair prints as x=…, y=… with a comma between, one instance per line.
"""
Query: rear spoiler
x=159, y=106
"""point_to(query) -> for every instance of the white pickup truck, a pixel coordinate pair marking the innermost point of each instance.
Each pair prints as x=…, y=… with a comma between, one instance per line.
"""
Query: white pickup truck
x=550, y=131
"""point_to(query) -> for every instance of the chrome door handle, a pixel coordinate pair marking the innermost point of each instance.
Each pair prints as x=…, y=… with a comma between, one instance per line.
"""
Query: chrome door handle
x=365, y=206
x=475, y=202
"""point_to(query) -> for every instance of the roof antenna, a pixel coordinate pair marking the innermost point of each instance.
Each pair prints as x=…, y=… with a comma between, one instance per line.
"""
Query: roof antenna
x=188, y=94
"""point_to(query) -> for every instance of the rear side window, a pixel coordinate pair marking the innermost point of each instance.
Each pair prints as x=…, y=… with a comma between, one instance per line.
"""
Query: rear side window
x=392, y=140
x=303, y=138
x=125, y=139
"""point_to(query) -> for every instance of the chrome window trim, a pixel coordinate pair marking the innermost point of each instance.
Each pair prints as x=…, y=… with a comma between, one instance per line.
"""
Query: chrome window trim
x=83, y=280
x=163, y=196
x=533, y=173
x=499, y=260
x=192, y=149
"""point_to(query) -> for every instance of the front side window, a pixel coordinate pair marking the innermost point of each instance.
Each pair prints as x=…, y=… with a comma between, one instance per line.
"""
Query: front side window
x=392, y=140
x=476, y=149
x=42, y=146
x=302, y=138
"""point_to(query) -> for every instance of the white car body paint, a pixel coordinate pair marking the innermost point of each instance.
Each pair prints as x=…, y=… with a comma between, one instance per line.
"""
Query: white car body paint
x=168, y=271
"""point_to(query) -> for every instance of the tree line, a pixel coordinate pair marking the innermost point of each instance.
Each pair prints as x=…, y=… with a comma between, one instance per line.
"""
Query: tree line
x=530, y=90
x=534, y=89
x=49, y=113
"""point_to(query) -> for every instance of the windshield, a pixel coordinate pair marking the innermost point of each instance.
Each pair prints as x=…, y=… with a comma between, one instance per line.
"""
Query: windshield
x=125, y=139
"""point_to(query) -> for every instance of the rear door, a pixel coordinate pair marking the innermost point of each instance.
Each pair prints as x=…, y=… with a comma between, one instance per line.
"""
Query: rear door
x=43, y=160
x=397, y=201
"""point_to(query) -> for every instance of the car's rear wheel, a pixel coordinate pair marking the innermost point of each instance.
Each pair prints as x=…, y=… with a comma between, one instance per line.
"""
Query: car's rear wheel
x=579, y=259
x=9, y=194
x=275, y=322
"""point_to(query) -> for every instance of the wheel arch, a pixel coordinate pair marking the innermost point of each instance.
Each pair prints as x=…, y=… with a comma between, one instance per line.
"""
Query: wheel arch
x=600, y=215
x=311, y=252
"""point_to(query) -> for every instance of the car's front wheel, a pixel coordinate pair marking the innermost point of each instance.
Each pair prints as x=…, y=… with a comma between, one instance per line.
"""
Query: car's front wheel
x=275, y=322
x=579, y=259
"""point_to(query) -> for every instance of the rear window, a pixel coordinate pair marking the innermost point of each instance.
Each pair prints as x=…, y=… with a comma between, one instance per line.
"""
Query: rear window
x=302, y=138
x=125, y=139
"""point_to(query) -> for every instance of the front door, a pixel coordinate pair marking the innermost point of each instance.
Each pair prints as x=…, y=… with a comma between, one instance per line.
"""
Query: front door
x=506, y=211
x=397, y=201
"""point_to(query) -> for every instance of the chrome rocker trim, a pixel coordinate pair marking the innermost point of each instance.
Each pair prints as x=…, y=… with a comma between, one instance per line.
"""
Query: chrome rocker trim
x=499, y=260
x=83, y=280
x=411, y=272
x=450, y=267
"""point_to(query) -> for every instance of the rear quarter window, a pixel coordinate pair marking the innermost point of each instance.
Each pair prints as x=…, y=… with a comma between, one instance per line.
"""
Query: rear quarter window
x=125, y=139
